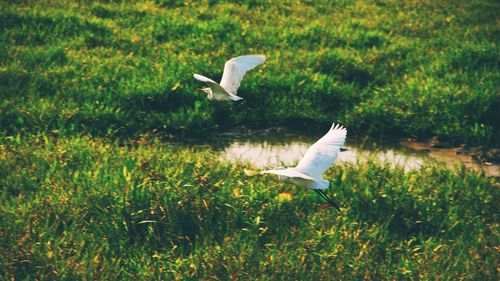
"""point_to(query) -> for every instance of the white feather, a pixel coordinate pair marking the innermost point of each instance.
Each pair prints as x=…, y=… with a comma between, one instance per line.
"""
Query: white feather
x=321, y=155
x=235, y=69
x=204, y=79
x=318, y=158
x=288, y=173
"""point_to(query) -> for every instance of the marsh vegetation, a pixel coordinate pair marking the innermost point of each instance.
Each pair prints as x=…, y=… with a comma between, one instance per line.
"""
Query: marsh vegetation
x=91, y=90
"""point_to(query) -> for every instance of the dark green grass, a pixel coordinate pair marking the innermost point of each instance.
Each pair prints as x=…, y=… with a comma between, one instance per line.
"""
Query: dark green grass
x=112, y=68
x=86, y=208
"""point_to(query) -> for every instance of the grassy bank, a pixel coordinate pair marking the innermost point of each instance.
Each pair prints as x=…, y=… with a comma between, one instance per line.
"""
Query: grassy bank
x=87, y=208
x=403, y=68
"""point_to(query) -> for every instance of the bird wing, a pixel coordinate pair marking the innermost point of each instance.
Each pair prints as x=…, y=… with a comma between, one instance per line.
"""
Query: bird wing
x=235, y=69
x=287, y=172
x=218, y=92
x=204, y=79
x=321, y=155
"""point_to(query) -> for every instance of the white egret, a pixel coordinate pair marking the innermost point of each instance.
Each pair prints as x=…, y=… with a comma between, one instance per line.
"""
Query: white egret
x=234, y=70
x=318, y=158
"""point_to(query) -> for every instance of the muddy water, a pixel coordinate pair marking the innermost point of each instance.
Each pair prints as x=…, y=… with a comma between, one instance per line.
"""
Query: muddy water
x=276, y=148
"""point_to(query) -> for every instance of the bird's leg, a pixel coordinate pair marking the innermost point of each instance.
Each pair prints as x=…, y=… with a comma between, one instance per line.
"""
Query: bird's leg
x=327, y=198
x=331, y=201
x=322, y=195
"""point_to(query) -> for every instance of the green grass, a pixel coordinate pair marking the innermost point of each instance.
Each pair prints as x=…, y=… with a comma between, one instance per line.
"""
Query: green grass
x=87, y=208
x=87, y=195
x=113, y=68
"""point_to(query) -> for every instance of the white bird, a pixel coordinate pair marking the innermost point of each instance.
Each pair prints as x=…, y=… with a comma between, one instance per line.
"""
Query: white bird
x=234, y=70
x=318, y=158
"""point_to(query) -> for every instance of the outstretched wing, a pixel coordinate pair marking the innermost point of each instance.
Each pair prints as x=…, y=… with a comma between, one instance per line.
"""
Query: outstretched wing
x=235, y=69
x=287, y=172
x=204, y=79
x=218, y=93
x=321, y=155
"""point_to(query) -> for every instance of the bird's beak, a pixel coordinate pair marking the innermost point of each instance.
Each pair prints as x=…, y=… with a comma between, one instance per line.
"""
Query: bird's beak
x=200, y=89
x=342, y=149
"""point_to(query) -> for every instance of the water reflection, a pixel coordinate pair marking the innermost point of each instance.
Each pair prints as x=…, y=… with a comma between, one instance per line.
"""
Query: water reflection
x=264, y=150
x=265, y=154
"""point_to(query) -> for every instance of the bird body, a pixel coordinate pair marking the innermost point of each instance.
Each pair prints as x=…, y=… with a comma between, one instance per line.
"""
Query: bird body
x=318, y=158
x=234, y=70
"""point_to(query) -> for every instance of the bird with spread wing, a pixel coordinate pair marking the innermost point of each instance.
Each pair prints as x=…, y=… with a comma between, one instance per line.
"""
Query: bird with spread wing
x=234, y=70
x=318, y=158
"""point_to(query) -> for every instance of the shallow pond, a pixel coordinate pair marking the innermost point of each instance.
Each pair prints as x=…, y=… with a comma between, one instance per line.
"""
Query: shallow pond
x=276, y=147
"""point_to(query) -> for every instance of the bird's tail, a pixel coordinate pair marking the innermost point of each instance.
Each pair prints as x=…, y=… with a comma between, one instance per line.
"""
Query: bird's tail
x=236, y=98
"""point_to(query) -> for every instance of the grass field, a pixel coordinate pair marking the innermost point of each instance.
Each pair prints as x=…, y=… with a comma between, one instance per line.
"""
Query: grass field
x=87, y=208
x=402, y=68
x=89, y=91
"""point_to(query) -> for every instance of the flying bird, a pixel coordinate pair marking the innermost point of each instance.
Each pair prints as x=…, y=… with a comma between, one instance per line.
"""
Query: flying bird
x=234, y=70
x=318, y=158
